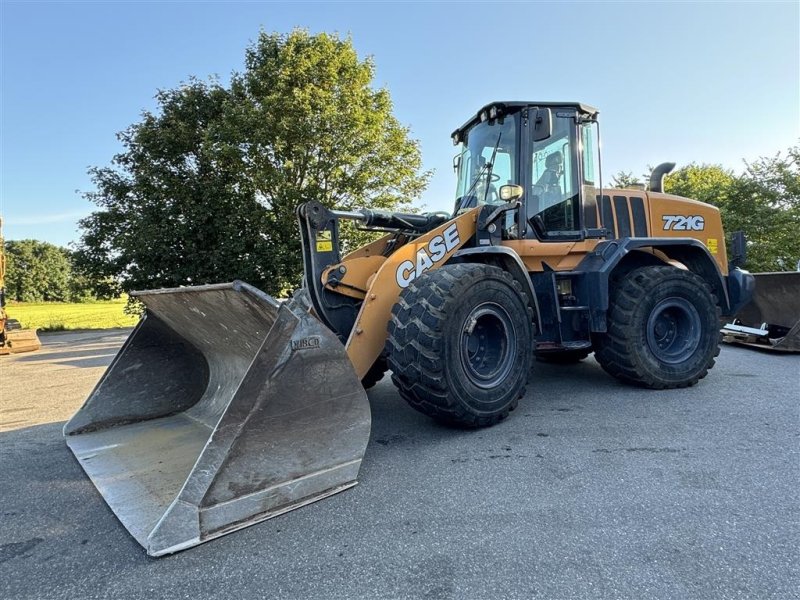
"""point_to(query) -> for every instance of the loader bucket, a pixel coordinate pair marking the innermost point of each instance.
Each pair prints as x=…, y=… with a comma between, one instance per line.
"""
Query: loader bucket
x=223, y=408
x=775, y=309
x=20, y=340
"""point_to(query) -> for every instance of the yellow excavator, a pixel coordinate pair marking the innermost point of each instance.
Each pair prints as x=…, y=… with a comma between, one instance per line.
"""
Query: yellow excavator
x=13, y=339
x=226, y=407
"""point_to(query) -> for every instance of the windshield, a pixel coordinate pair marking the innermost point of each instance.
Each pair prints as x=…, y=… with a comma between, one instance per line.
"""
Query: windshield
x=480, y=177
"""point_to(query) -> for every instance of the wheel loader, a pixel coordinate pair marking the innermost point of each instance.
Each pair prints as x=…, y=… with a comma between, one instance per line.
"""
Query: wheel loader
x=226, y=407
x=13, y=338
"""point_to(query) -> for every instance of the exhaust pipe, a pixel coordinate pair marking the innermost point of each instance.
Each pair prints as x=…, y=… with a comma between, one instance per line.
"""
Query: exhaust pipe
x=657, y=176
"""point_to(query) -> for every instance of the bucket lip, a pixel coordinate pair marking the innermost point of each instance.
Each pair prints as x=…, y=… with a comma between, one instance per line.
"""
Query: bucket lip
x=236, y=285
x=187, y=288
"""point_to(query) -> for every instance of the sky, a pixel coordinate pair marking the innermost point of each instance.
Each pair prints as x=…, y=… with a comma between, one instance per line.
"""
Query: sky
x=687, y=82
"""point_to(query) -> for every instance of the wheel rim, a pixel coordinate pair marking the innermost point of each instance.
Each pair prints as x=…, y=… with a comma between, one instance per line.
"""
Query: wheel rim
x=487, y=345
x=673, y=330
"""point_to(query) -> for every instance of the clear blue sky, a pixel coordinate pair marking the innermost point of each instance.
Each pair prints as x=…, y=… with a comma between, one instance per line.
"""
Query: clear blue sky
x=711, y=82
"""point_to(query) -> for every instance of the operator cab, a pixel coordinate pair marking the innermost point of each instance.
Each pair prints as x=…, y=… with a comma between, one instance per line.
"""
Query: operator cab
x=542, y=154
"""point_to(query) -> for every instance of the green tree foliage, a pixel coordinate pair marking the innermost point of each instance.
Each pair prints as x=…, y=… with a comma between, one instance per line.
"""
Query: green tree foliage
x=764, y=202
x=711, y=184
x=624, y=179
x=37, y=271
x=206, y=187
x=768, y=210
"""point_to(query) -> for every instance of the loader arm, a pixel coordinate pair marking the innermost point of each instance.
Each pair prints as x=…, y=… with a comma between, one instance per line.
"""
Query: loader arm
x=425, y=253
x=354, y=295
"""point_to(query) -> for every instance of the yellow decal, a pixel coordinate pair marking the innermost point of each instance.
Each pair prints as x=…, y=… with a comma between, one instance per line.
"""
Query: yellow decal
x=711, y=243
x=324, y=241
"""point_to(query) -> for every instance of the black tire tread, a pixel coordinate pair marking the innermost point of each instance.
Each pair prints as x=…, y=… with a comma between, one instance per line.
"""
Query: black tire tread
x=613, y=350
x=416, y=338
x=375, y=373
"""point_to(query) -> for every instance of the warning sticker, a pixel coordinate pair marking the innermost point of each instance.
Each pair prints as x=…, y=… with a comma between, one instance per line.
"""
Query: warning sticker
x=711, y=243
x=324, y=241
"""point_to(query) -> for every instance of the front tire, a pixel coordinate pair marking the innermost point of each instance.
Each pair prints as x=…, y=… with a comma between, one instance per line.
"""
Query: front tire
x=460, y=344
x=663, y=329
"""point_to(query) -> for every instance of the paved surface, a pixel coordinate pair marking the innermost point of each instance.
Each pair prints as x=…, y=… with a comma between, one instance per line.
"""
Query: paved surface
x=590, y=490
x=51, y=384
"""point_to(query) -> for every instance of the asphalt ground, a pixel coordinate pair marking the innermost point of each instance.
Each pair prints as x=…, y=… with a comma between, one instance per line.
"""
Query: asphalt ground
x=51, y=384
x=591, y=489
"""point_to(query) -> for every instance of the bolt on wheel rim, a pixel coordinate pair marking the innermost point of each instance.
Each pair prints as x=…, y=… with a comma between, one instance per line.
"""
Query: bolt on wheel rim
x=673, y=330
x=487, y=350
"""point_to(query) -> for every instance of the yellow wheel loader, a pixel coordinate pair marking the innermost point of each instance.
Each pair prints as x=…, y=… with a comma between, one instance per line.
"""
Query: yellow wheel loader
x=225, y=407
x=13, y=338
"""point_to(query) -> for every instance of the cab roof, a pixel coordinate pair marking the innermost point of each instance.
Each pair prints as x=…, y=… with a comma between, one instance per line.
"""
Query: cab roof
x=514, y=106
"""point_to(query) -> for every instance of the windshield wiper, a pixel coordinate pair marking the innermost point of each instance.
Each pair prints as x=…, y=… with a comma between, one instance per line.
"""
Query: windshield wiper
x=488, y=166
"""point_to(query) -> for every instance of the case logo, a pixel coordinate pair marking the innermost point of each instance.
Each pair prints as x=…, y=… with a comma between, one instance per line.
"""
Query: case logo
x=434, y=252
x=681, y=223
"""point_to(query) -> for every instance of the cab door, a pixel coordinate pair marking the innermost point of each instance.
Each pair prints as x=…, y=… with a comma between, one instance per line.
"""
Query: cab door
x=553, y=182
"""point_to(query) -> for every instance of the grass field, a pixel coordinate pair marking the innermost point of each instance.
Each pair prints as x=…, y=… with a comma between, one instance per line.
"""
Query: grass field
x=61, y=316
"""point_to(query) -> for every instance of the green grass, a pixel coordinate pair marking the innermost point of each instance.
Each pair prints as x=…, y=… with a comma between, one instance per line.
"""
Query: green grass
x=62, y=316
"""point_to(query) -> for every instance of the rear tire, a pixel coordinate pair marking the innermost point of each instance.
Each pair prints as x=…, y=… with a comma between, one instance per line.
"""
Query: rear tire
x=375, y=373
x=663, y=329
x=460, y=344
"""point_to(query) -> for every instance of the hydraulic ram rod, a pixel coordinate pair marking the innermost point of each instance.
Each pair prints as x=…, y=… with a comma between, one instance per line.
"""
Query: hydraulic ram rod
x=383, y=218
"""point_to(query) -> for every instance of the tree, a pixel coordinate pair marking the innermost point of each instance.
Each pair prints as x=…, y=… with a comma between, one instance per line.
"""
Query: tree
x=37, y=271
x=624, y=179
x=206, y=188
x=711, y=184
x=764, y=202
x=766, y=206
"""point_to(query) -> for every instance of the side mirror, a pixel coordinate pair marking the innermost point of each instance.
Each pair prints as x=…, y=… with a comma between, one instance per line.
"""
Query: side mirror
x=510, y=192
x=738, y=249
x=542, y=124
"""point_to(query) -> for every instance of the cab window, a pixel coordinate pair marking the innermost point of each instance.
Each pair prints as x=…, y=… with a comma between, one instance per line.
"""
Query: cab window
x=589, y=153
x=554, y=203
